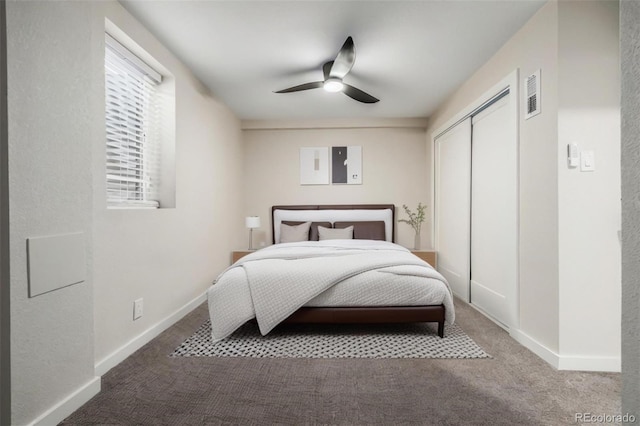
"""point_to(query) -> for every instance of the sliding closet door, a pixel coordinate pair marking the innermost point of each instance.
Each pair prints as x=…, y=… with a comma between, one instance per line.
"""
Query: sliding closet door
x=494, y=211
x=452, y=206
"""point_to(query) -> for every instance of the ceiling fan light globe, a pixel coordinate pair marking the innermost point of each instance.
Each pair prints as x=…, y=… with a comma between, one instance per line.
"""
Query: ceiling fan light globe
x=333, y=85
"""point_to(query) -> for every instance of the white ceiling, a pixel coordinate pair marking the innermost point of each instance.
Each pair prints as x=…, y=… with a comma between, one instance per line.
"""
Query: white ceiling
x=409, y=54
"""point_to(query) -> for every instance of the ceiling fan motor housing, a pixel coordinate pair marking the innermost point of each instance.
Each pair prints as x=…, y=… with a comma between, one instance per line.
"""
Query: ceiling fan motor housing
x=333, y=84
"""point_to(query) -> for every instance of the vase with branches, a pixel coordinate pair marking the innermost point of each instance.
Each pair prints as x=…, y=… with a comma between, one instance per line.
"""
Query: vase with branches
x=415, y=220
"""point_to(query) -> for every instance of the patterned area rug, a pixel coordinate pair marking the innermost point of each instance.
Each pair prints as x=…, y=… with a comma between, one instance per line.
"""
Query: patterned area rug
x=335, y=341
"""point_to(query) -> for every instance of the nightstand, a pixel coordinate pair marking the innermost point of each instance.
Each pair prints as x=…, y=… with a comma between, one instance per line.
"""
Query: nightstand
x=235, y=255
x=428, y=256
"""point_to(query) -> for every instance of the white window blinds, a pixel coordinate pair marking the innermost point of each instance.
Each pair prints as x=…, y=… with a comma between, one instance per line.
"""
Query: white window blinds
x=132, y=129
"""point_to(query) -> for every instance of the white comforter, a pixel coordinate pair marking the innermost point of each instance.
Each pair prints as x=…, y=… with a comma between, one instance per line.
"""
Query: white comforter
x=272, y=283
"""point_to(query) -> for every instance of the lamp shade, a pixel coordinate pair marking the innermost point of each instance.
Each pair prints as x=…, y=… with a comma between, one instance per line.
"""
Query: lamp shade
x=252, y=222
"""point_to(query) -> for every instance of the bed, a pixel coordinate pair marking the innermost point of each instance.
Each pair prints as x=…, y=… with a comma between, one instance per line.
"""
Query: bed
x=355, y=273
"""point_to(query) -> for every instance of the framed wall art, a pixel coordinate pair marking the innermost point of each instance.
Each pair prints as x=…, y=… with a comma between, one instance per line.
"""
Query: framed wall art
x=346, y=165
x=314, y=166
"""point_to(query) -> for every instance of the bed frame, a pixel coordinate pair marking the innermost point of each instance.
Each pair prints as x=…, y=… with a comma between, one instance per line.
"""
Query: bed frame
x=360, y=315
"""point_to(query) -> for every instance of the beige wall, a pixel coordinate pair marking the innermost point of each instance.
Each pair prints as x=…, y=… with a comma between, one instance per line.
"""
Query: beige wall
x=51, y=128
x=589, y=203
x=533, y=47
x=393, y=168
x=169, y=256
x=569, y=256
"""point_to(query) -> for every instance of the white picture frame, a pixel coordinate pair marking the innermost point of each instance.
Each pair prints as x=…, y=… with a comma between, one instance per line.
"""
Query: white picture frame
x=314, y=166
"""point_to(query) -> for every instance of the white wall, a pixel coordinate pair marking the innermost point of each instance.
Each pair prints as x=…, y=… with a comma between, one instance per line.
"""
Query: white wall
x=532, y=47
x=52, y=124
x=589, y=202
x=57, y=185
x=630, y=66
x=168, y=256
x=569, y=258
x=393, y=168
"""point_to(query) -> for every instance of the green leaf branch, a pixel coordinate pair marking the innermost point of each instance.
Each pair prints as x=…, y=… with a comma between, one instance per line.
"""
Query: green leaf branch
x=415, y=219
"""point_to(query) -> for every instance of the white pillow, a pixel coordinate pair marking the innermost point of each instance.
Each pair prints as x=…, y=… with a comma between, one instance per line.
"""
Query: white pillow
x=294, y=233
x=335, y=233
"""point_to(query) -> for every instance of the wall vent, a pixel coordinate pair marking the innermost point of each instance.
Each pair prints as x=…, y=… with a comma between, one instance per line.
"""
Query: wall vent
x=532, y=91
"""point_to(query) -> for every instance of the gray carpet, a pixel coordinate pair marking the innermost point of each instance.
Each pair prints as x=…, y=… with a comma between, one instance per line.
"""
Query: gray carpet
x=335, y=341
x=514, y=388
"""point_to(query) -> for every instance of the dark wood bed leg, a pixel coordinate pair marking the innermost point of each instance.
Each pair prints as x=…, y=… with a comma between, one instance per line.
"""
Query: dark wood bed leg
x=441, y=328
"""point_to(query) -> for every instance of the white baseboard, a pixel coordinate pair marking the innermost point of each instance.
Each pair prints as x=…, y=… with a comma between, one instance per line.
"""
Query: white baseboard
x=536, y=347
x=71, y=403
x=564, y=362
x=139, y=341
x=581, y=363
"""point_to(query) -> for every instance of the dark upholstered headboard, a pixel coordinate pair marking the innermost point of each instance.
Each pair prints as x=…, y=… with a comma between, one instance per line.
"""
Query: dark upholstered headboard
x=335, y=213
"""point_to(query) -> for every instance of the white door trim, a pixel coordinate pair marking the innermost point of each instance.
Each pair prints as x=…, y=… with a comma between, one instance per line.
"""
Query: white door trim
x=511, y=82
x=453, y=233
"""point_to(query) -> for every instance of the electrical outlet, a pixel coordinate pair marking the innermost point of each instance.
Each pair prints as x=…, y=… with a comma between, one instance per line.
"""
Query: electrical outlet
x=137, y=309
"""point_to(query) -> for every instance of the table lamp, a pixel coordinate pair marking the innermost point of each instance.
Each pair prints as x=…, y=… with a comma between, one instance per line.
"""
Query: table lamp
x=252, y=222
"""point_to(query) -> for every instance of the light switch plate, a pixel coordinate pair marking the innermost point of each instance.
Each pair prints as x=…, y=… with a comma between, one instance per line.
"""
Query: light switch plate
x=587, y=161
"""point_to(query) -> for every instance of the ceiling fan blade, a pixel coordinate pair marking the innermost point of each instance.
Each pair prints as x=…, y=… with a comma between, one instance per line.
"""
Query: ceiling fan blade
x=345, y=59
x=306, y=86
x=326, y=69
x=359, y=95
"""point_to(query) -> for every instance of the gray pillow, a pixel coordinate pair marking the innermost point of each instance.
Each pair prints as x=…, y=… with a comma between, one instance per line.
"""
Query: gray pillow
x=294, y=233
x=370, y=230
x=335, y=234
x=313, y=232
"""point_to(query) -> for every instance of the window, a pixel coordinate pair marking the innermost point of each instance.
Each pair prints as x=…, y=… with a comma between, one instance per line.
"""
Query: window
x=132, y=128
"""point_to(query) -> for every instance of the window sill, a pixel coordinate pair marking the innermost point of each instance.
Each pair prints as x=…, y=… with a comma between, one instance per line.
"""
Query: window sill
x=150, y=205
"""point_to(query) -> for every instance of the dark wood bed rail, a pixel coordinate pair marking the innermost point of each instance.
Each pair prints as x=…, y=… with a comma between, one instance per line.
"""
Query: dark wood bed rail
x=370, y=315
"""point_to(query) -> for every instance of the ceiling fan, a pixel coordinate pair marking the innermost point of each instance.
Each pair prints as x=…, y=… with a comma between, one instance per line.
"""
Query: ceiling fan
x=334, y=72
